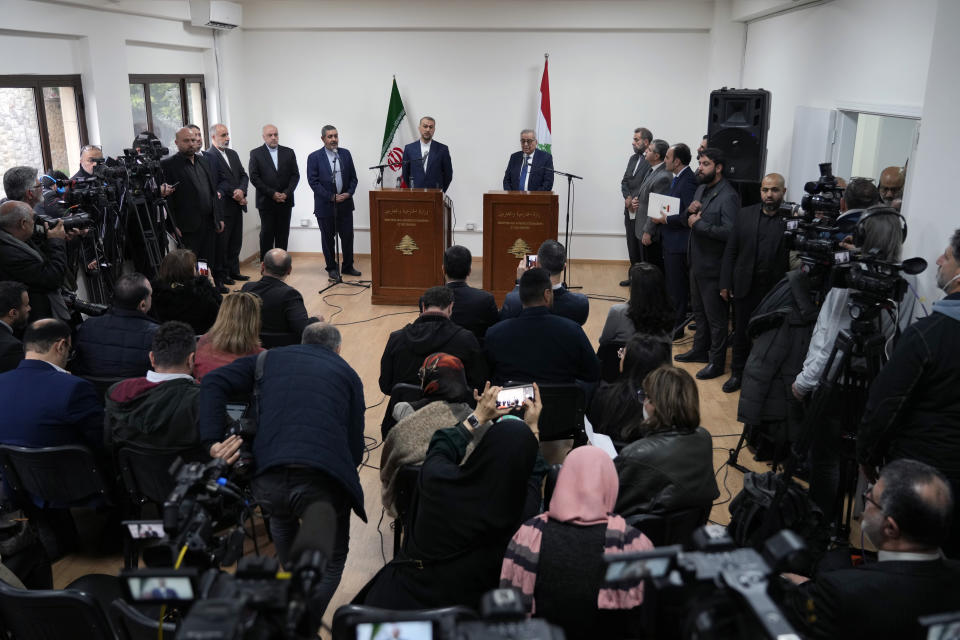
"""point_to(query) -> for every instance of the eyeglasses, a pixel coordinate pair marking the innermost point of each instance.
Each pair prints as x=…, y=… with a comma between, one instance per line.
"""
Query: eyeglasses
x=522, y=141
x=868, y=497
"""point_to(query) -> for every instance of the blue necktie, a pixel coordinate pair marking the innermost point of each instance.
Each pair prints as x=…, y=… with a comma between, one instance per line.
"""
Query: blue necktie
x=674, y=183
x=523, y=173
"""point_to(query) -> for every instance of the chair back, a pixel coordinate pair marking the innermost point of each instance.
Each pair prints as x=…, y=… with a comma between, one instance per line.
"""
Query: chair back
x=52, y=615
x=674, y=527
x=401, y=392
x=102, y=383
x=608, y=354
x=405, y=494
x=564, y=406
x=132, y=624
x=271, y=339
x=146, y=476
x=64, y=476
x=553, y=472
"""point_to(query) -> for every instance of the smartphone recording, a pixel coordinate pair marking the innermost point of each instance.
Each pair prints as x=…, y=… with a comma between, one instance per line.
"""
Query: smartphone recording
x=514, y=397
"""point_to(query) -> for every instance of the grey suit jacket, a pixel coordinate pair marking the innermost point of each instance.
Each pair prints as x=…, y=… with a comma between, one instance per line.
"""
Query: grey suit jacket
x=630, y=185
x=656, y=182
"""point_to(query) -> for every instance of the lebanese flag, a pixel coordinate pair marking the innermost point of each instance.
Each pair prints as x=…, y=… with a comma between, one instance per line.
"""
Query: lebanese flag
x=396, y=135
x=544, y=142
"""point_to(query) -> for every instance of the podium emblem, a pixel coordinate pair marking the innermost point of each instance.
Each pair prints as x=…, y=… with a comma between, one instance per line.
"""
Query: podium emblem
x=519, y=249
x=406, y=246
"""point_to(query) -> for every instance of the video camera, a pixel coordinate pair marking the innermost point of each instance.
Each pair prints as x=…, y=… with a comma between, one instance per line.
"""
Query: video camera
x=714, y=591
x=823, y=196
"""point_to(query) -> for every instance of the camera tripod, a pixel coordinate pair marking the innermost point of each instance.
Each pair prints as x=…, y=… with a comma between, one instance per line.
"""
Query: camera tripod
x=854, y=362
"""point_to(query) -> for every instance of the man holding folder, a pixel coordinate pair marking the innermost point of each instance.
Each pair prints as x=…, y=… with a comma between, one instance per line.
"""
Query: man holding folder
x=657, y=181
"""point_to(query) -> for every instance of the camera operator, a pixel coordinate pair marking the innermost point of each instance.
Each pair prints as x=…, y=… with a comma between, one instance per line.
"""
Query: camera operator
x=90, y=155
x=309, y=439
x=858, y=196
x=39, y=265
x=882, y=239
x=913, y=410
x=906, y=516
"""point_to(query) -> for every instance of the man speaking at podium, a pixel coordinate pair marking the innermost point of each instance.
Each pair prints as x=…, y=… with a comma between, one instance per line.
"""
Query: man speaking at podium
x=529, y=169
x=426, y=162
x=333, y=178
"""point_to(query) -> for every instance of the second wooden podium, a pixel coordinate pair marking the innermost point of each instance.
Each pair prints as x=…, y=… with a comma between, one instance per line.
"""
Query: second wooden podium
x=409, y=231
x=515, y=223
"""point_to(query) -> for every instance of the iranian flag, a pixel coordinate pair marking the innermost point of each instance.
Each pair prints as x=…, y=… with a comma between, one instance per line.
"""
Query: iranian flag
x=544, y=142
x=396, y=135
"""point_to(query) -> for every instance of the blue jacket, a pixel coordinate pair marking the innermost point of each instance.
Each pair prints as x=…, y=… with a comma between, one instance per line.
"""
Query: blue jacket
x=116, y=344
x=675, y=234
x=322, y=182
x=439, y=167
x=539, y=180
x=311, y=412
x=43, y=407
x=538, y=346
x=566, y=303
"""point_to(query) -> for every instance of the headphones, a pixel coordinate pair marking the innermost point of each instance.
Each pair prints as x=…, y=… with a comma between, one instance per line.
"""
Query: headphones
x=878, y=210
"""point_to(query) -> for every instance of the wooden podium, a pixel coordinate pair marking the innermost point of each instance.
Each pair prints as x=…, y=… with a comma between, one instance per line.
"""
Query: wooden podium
x=515, y=223
x=409, y=231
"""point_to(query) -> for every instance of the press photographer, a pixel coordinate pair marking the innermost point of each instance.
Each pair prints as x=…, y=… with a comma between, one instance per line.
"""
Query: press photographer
x=38, y=265
x=913, y=410
x=878, y=240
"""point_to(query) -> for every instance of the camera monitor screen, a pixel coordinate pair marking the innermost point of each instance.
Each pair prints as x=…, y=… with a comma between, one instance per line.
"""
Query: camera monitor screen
x=513, y=397
x=635, y=566
x=235, y=410
x=145, y=529
x=407, y=630
x=160, y=588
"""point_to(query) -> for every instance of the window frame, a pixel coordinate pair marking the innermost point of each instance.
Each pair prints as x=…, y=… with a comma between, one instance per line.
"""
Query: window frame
x=38, y=83
x=144, y=80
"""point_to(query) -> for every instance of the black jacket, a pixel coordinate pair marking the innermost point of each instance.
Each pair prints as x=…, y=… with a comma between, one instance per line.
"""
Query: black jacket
x=229, y=178
x=566, y=303
x=876, y=600
x=740, y=255
x=283, y=310
x=407, y=348
x=116, y=344
x=196, y=303
x=666, y=471
x=539, y=346
x=269, y=179
x=473, y=309
x=40, y=270
x=151, y=416
x=11, y=349
x=183, y=201
x=913, y=410
x=709, y=235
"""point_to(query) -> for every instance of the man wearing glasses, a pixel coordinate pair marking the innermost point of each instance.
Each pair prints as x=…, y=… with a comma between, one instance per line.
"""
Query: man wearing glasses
x=906, y=516
x=529, y=169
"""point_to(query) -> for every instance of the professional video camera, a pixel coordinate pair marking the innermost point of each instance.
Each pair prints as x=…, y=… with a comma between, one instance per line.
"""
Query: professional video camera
x=875, y=282
x=715, y=591
x=823, y=196
x=82, y=306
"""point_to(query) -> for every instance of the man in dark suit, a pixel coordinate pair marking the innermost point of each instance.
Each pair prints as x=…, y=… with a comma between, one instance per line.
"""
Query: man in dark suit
x=283, y=310
x=473, y=309
x=675, y=234
x=529, y=169
x=67, y=409
x=232, y=186
x=274, y=172
x=432, y=332
x=539, y=346
x=755, y=259
x=333, y=178
x=657, y=181
x=551, y=256
x=426, y=162
x=710, y=219
x=14, y=311
x=906, y=516
x=40, y=267
x=637, y=169
x=190, y=187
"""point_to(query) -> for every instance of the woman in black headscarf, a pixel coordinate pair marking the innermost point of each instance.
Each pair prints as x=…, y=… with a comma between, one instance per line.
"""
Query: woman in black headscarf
x=464, y=515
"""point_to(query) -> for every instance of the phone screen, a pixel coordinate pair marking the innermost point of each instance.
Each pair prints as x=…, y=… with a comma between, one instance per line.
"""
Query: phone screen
x=513, y=397
x=412, y=629
x=531, y=260
x=202, y=268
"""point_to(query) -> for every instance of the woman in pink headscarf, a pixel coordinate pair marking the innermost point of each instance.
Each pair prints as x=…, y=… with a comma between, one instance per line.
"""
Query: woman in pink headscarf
x=556, y=558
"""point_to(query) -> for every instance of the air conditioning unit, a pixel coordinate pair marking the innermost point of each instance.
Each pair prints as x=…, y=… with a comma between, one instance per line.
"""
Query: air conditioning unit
x=215, y=14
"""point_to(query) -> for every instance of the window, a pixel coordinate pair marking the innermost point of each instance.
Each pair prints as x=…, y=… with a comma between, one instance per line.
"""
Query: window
x=43, y=123
x=163, y=104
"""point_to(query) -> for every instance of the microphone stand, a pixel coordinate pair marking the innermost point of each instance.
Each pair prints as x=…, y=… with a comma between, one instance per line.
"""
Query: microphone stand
x=361, y=284
x=569, y=221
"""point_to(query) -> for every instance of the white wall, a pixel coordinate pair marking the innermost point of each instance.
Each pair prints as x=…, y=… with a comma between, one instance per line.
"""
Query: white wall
x=613, y=67
x=842, y=53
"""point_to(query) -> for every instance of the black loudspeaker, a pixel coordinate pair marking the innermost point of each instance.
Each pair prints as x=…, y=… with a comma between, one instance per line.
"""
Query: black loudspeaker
x=737, y=125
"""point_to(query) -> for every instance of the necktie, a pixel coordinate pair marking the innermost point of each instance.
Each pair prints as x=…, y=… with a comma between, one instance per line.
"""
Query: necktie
x=674, y=183
x=337, y=175
x=523, y=174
